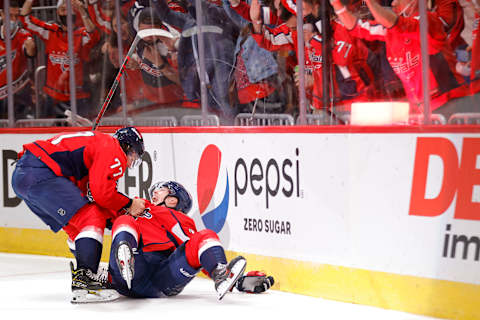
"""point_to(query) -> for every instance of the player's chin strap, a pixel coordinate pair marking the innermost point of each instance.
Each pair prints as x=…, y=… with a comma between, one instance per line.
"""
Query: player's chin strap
x=164, y=204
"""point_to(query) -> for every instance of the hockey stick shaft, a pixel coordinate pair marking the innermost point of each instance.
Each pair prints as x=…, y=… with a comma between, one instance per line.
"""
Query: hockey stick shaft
x=115, y=83
x=140, y=35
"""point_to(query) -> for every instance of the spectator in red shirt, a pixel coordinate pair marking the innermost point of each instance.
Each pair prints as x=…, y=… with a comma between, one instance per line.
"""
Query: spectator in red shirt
x=400, y=30
x=55, y=37
x=23, y=49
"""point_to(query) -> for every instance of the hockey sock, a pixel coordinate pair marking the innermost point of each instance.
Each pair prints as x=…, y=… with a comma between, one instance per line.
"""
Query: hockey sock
x=86, y=229
x=204, y=249
x=88, y=252
x=124, y=236
x=211, y=257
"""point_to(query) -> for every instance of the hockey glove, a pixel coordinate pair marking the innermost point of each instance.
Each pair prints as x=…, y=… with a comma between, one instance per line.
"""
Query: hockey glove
x=254, y=282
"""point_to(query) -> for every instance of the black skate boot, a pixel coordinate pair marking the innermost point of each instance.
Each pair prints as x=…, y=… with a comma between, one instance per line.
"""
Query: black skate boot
x=225, y=276
x=89, y=287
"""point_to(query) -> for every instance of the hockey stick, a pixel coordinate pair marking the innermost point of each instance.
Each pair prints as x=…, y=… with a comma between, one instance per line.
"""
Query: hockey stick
x=142, y=34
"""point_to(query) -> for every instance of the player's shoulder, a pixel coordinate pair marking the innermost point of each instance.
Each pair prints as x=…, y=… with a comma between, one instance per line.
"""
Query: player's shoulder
x=110, y=143
x=182, y=217
x=104, y=142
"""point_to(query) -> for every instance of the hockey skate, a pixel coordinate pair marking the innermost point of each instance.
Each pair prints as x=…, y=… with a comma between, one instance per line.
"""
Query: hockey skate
x=125, y=262
x=88, y=287
x=225, y=276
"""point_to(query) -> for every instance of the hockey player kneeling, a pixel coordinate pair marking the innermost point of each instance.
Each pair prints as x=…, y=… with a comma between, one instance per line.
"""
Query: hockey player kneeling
x=160, y=252
x=69, y=181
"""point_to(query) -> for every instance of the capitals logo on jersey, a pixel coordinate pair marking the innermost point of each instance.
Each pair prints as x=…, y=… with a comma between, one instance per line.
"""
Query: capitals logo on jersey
x=3, y=60
x=212, y=185
x=405, y=66
x=146, y=214
x=63, y=60
x=151, y=70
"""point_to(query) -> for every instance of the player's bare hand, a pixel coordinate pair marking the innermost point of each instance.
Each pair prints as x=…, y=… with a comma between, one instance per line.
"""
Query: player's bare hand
x=137, y=207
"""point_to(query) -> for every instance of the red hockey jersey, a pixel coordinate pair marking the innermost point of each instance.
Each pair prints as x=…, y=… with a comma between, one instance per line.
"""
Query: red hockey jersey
x=19, y=63
x=58, y=60
x=403, y=53
x=349, y=57
x=94, y=161
x=163, y=228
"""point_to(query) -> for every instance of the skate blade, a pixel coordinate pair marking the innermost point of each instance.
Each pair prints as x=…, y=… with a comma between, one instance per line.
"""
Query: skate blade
x=237, y=271
x=94, y=296
x=124, y=261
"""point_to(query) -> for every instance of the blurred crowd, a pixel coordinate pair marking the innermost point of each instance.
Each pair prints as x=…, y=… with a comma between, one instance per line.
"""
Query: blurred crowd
x=368, y=50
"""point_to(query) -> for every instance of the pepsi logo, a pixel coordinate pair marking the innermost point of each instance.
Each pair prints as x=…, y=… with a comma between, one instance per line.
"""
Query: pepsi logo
x=212, y=189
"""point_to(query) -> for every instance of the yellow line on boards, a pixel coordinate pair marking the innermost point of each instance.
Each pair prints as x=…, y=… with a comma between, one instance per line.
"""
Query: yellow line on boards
x=43, y=242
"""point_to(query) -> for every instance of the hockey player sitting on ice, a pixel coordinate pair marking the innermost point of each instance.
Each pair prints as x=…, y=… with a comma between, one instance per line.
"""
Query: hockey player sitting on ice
x=70, y=182
x=161, y=251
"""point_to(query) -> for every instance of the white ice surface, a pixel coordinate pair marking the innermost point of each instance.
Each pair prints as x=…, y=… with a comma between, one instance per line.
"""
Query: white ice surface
x=38, y=287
